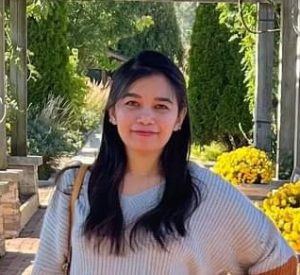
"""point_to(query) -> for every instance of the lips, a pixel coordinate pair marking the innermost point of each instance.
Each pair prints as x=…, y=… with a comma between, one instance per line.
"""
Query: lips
x=144, y=133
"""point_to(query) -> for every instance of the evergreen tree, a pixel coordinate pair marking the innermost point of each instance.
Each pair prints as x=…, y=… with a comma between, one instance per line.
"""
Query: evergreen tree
x=229, y=15
x=216, y=84
x=51, y=58
x=163, y=35
x=97, y=26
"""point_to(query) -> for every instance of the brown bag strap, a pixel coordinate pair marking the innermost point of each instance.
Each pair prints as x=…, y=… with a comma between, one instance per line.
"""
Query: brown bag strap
x=74, y=196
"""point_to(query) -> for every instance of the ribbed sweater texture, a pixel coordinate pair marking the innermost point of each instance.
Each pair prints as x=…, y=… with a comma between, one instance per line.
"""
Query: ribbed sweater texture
x=226, y=235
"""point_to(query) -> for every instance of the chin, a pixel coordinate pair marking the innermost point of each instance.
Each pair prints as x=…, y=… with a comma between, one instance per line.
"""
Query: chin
x=145, y=149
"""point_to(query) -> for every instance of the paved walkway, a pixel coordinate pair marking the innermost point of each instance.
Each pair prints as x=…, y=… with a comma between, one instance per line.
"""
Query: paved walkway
x=20, y=252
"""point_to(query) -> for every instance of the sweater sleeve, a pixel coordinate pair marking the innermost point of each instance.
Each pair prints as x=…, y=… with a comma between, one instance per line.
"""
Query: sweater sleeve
x=257, y=243
x=276, y=257
x=250, y=238
x=53, y=238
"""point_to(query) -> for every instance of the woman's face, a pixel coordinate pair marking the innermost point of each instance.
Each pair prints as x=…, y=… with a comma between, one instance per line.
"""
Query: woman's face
x=147, y=115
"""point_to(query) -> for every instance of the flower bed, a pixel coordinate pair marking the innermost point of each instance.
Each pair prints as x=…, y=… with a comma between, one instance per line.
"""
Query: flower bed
x=245, y=165
x=282, y=206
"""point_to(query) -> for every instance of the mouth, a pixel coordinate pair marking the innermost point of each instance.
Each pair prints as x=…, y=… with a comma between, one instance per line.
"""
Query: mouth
x=144, y=133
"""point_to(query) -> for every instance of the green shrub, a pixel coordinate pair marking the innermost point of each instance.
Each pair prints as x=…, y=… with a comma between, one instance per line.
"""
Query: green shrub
x=92, y=110
x=208, y=152
x=216, y=82
x=49, y=134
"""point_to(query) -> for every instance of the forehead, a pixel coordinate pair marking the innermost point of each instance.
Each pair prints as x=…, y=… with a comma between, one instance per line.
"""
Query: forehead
x=152, y=86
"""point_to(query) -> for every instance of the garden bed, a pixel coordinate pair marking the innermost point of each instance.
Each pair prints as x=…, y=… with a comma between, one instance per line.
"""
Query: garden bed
x=29, y=205
x=257, y=192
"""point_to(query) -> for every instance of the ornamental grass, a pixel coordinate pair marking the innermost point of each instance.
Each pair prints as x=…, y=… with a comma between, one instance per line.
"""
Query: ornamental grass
x=282, y=206
x=245, y=165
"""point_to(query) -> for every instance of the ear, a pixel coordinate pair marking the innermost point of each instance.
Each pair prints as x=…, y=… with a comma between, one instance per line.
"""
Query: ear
x=180, y=119
x=112, y=116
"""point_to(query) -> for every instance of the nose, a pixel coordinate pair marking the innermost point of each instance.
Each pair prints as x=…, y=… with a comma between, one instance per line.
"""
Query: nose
x=145, y=117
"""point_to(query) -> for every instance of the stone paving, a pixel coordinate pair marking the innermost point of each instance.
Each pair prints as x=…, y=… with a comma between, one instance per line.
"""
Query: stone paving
x=20, y=251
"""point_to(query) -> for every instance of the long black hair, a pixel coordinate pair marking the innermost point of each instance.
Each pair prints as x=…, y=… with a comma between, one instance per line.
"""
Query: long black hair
x=181, y=196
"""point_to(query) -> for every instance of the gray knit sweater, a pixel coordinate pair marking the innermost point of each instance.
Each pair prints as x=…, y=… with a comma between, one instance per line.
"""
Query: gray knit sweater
x=227, y=234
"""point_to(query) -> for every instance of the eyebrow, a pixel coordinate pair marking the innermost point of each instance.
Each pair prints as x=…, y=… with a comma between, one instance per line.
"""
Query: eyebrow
x=165, y=99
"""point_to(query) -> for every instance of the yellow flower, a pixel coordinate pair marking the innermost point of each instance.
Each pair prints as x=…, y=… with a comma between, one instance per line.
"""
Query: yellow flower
x=244, y=165
x=282, y=206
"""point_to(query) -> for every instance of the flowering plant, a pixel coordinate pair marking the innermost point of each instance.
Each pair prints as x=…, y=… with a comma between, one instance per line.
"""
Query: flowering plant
x=282, y=206
x=244, y=165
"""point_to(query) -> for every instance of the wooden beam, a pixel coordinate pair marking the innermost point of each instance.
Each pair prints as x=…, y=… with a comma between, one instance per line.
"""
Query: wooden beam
x=296, y=172
x=264, y=67
x=203, y=1
x=286, y=88
x=3, y=149
x=18, y=76
x=117, y=56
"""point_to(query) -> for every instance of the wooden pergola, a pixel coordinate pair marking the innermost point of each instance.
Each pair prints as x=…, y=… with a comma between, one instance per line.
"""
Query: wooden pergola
x=289, y=70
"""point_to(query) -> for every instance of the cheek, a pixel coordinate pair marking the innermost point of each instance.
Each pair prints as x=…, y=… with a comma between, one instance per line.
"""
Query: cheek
x=124, y=122
x=123, y=116
x=168, y=121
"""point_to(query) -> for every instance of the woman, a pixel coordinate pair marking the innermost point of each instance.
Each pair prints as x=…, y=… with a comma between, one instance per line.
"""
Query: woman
x=143, y=207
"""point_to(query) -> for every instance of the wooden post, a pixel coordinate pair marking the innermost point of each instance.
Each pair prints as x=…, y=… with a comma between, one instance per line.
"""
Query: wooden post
x=203, y=1
x=3, y=149
x=296, y=171
x=286, y=88
x=18, y=76
x=264, y=66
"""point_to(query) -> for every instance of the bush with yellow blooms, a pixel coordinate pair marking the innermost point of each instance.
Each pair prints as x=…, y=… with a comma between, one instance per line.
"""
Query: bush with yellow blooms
x=244, y=165
x=282, y=206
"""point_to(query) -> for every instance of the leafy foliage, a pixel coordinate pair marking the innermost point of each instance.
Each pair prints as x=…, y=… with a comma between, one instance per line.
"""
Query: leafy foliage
x=49, y=133
x=216, y=88
x=53, y=60
x=93, y=109
x=229, y=16
x=38, y=9
x=48, y=127
x=97, y=26
x=208, y=152
x=163, y=35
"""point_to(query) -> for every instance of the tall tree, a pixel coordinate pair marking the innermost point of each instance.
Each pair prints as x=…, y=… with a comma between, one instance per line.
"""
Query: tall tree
x=51, y=58
x=163, y=35
x=216, y=85
x=230, y=17
x=91, y=27
x=97, y=26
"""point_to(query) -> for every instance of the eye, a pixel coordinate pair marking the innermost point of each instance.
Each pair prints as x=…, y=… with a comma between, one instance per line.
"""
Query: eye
x=132, y=103
x=161, y=107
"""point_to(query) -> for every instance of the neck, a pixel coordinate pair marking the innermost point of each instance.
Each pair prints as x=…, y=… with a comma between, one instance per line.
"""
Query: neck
x=143, y=172
x=139, y=164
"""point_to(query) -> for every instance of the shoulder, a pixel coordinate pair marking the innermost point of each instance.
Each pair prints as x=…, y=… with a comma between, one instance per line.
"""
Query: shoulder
x=217, y=192
x=213, y=183
x=65, y=178
x=242, y=229
x=226, y=203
